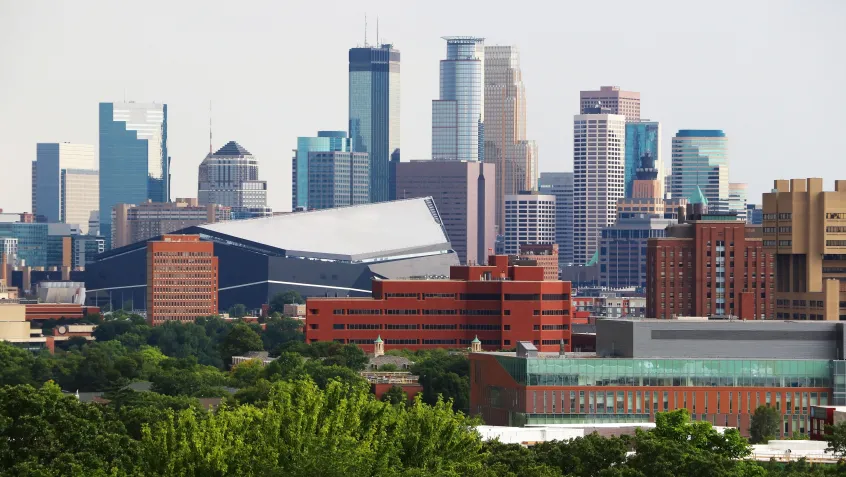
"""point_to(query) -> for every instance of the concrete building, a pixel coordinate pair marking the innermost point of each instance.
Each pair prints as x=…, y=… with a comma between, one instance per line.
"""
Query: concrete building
x=134, y=162
x=529, y=220
x=560, y=185
x=700, y=159
x=754, y=214
x=497, y=304
x=132, y=223
x=541, y=255
x=338, y=179
x=805, y=229
x=325, y=141
x=181, y=289
x=374, y=111
x=710, y=265
x=506, y=144
x=230, y=177
x=599, y=145
x=67, y=247
x=66, y=182
x=643, y=138
x=16, y=330
x=458, y=115
x=737, y=199
x=464, y=193
x=626, y=103
x=720, y=371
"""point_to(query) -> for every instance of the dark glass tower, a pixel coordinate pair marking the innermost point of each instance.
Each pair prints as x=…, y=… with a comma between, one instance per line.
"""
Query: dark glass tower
x=375, y=111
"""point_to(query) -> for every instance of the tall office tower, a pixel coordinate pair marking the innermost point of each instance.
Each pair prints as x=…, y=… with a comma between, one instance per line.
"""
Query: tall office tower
x=167, y=300
x=599, y=144
x=505, y=127
x=338, y=179
x=647, y=197
x=459, y=114
x=34, y=186
x=616, y=100
x=134, y=165
x=464, y=195
x=392, y=183
x=560, y=185
x=642, y=137
x=375, y=111
x=133, y=223
x=805, y=229
x=326, y=141
x=737, y=199
x=65, y=184
x=700, y=159
x=529, y=220
x=230, y=177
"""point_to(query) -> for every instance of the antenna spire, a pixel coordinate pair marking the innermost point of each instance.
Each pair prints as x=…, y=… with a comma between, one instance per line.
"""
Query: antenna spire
x=365, y=30
x=378, y=41
x=210, y=127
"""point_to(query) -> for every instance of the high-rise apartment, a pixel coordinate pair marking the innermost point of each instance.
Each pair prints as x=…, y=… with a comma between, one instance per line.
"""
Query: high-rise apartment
x=66, y=183
x=617, y=101
x=599, y=145
x=560, y=185
x=529, y=220
x=737, y=199
x=134, y=163
x=180, y=289
x=642, y=138
x=325, y=141
x=464, y=195
x=338, y=179
x=230, y=177
x=710, y=265
x=133, y=223
x=805, y=229
x=458, y=116
x=505, y=127
x=700, y=160
x=375, y=111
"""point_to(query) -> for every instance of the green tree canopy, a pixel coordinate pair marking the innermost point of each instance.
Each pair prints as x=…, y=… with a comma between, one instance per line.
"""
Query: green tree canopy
x=237, y=311
x=279, y=300
x=764, y=424
x=240, y=339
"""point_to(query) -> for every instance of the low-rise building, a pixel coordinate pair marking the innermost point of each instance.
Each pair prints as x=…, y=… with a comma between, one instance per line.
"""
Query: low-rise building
x=544, y=255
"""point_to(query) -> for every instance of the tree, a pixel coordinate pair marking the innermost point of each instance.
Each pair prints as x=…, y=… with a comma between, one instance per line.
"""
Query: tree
x=389, y=368
x=836, y=437
x=279, y=300
x=240, y=339
x=281, y=330
x=764, y=424
x=238, y=311
x=583, y=456
x=395, y=395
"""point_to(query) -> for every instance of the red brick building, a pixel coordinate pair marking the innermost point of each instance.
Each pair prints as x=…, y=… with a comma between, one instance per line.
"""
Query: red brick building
x=710, y=265
x=182, y=279
x=499, y=303
x=58, y=311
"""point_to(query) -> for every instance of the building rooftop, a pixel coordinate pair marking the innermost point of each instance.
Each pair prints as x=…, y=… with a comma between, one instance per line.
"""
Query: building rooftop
x=232, y=148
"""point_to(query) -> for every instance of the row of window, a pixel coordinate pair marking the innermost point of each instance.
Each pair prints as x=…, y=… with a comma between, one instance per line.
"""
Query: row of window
x=443, y=312
x=426, y=326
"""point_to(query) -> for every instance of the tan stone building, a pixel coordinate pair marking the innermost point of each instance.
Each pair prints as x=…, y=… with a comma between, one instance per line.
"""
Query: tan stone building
x=805, y=228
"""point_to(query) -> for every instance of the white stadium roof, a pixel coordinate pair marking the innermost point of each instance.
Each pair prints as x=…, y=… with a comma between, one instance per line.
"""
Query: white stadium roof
x=380, y=231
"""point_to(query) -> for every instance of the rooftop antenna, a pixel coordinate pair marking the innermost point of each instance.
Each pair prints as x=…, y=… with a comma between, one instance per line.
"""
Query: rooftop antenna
x=365, y=30
x=210, y=127
x=378, y=41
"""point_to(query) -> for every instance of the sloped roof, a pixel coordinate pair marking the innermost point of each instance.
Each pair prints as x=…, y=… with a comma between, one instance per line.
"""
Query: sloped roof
x=698, y=197
x=232, y=148
x=367, y=232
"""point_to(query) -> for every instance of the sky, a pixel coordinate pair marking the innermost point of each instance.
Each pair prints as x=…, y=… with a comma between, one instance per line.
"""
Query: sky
x=771, y=74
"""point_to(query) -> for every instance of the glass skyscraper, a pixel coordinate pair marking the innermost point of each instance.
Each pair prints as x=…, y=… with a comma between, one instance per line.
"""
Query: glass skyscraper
x=134, y=165
x=65, y=183
x=700, y=159
x=458, y=116
x=326, y=141
x=375, y=111
x=642, y=137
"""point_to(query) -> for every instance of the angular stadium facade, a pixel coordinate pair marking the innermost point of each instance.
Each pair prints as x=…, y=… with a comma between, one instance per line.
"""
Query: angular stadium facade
x=332, y=252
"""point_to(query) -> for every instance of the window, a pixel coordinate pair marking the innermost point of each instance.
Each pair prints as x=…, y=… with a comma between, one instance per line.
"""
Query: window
x=556, y=312
x=338, y=326
x=554, y=296
x=522, y=296
x=554, y=327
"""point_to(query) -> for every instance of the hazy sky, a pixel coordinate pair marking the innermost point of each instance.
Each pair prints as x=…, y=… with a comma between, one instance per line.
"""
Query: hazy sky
x=770, y=73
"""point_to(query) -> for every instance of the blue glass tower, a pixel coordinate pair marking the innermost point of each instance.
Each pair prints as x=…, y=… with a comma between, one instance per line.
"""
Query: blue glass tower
x=700, y=161
x=641, y=138
x=326, y=141
x=374, y=121
x=134, y=165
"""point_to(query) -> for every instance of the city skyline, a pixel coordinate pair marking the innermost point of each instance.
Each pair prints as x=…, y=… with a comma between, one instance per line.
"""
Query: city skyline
x=41, y=106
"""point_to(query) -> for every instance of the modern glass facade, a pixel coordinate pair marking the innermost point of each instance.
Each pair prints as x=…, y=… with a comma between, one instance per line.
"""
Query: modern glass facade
x=458, y=116
x=50, y=191
x=700, y=159
x=326, y=141
x=32, y=241
x=641, y=138
x=622, y=250
x=737, y=199
x=338, y=179
x=134, y=163
x=374, y=111
x=560, y=185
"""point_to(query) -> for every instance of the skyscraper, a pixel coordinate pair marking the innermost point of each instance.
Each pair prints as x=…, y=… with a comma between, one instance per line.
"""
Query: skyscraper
x=599, y=144
x=642, y=137
x=737, y=199
x=325, y=141
x=464, y=195
x=529, y=220
x=338, y=179
x=616, y=100
x=560, y=185
x=134, y=164
x=66, y=183
x=230, y=177
x=375, y=111
x=700, y=159
x=459, y=114
x=505, y=127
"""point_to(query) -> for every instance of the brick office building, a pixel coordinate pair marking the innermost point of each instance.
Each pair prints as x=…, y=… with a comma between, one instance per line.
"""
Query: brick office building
x=499, y=303
x=710, y=265
x=182, y=279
